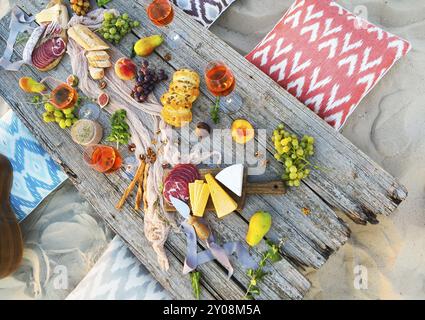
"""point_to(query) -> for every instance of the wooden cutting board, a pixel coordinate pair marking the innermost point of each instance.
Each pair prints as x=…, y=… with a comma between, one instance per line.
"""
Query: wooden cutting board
x=271, y=187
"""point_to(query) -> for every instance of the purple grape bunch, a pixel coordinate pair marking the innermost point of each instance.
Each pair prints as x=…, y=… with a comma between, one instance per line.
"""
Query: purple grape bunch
x=146, y=80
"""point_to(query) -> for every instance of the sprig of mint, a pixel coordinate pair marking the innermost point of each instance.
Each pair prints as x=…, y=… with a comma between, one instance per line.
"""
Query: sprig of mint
x=102, y=2
x=195, y=277
x=120, y=129
x=272, y=255
x=214, y=111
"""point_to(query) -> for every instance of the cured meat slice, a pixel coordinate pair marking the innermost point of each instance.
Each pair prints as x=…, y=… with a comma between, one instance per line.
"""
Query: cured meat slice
x=177, y=182
x=47, y=52
x=185, y=173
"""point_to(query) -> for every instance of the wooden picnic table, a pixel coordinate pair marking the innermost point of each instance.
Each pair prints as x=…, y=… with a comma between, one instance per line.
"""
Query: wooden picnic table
x=352, y=183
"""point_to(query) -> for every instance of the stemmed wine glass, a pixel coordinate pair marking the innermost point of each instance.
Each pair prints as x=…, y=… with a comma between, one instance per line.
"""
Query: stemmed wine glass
x=221, y=82
x=161, y=13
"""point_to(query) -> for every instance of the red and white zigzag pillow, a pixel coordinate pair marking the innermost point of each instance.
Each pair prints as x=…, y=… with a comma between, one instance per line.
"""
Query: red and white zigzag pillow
x=327, y=57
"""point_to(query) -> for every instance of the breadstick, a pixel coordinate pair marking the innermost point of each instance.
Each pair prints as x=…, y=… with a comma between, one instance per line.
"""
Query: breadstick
x=132, y=184
x=145, y=186
x=139, y=194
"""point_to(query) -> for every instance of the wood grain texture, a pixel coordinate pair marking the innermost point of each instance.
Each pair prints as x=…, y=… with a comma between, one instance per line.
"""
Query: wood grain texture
x=353, y=183
x=291, y=283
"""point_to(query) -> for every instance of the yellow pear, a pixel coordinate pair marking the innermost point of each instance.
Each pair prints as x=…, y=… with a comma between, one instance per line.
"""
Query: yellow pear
x=145, y=46
x=259, y=225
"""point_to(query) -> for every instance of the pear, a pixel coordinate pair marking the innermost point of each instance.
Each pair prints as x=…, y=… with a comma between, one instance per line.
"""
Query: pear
x=145, y=46
x=30, y=85
x=259, y=225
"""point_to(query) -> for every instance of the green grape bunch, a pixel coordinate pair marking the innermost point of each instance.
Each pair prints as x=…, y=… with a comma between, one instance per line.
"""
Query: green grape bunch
x=114, y=28
x=294, y=154
x=64, y=118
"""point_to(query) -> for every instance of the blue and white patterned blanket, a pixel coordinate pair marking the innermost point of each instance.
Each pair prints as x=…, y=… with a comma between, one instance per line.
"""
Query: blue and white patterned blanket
x=35, y=174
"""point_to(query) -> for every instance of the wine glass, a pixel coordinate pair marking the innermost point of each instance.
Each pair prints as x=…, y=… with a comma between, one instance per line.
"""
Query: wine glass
x=221, y=82
x=161, y=13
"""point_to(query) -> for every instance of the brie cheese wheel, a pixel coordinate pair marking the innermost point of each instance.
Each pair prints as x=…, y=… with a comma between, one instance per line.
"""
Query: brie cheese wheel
x=232, y=178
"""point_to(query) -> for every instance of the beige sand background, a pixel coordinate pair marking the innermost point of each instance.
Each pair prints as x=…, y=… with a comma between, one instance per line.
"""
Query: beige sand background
x=389, y=126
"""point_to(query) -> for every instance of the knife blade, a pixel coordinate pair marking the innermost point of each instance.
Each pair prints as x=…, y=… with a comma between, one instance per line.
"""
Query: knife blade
x=181, y=207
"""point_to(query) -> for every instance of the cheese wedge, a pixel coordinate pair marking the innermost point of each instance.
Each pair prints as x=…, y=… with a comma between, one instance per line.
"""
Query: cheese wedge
x=96, y=73
x=48, y=15
x=232, y=178
x=223, y=203
x=97, y=56
x=202, y=201
x=101, y=64
x=86, y=38
x=192, y=198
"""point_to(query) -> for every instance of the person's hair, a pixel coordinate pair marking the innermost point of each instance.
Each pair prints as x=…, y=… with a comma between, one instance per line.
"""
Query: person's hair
x=11, y=244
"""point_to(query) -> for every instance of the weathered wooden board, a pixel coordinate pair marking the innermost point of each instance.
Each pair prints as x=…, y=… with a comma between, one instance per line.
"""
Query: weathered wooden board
x=286, y=282
x=354, y=184
x=250, y=188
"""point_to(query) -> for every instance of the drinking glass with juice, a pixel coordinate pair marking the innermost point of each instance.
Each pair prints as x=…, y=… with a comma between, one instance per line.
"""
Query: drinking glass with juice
x=104, y=159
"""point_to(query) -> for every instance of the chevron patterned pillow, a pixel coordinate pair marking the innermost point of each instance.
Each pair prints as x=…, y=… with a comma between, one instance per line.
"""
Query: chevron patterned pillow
x=327, y=57
x=204, y=11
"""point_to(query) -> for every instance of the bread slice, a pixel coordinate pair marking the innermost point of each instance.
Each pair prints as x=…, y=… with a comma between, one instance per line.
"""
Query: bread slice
x=97, y=55
x=187, y=76
x=96, y=73
x=100, y=64
x=86, y=38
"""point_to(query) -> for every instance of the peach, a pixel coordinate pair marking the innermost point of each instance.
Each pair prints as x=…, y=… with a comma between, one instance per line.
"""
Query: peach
x=125, y=69
x=242, y=131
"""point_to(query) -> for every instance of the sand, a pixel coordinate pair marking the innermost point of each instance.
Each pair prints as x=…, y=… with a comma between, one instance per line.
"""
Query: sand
x=388, y=126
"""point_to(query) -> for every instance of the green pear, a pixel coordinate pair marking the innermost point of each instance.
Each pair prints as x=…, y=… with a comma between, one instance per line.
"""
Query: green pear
x=145, y=46
x=259, y=225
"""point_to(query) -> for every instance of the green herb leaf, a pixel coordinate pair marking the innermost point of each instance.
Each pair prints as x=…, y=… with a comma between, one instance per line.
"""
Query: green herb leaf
x=195, y=277
x=272, y=255
x=102, y=2
x=214, y=111
x=120, y=128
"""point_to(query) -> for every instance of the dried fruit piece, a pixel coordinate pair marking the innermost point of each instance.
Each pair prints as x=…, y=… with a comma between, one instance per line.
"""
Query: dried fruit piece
x=72, y=80
x=103, y=100
x=242, y=131
x=202, y=130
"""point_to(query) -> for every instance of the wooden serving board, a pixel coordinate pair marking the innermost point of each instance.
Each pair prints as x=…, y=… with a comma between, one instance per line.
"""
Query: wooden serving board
x=271, y=187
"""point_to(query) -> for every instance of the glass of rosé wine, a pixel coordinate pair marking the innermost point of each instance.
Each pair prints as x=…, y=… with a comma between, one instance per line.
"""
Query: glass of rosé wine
x=221, y=82
x=161, y=13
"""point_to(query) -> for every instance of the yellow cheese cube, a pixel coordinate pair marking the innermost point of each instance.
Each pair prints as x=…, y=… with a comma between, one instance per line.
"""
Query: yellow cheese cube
x=202, y=201
x=223, y=203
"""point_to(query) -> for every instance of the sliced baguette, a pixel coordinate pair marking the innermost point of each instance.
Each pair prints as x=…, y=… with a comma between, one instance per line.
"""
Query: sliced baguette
x=86, y=38
x=100, y=64
x=97, y=55
x=96, y=73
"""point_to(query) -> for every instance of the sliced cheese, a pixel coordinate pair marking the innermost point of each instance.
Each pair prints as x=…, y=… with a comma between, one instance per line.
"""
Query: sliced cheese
x=197, y=191
x=96, y=73
x=223, y=203
x=192, y=198
x=86, y=38
x=202, y=201
x=100, y=64
x=232, y=178
x=97, y=55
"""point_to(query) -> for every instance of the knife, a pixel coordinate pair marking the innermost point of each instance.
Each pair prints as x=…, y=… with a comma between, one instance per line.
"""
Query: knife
x=201, y=229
